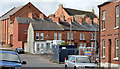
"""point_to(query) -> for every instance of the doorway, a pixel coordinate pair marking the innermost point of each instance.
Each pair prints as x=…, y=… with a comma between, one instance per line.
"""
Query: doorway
x=109, y=52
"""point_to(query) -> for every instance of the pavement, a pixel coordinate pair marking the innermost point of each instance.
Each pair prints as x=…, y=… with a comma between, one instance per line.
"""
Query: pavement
x=38, y=61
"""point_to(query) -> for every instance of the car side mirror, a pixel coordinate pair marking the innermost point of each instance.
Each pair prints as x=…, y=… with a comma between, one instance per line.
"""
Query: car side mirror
x=24, y=62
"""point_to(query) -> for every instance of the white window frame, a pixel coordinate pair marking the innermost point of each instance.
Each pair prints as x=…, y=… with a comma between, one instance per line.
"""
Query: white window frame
x=71, y=35
x=92, y=44
x=83, y=36
x=92, y=35
x=116, y=49
x=37, y=35
x=41, y=36
x=81, y=44
x=84, y=44
x=55, y=36
x=103, y=43
x=80, y=36
x=60, y=36
x=68, y=37
x=103, y=20
x=117, y=17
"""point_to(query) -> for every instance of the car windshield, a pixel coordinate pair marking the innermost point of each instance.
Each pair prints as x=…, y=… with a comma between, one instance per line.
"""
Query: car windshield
x=9, y=57
x=82, y=60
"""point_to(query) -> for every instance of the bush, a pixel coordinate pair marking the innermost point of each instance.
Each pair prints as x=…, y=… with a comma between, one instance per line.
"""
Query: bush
x=64, y=43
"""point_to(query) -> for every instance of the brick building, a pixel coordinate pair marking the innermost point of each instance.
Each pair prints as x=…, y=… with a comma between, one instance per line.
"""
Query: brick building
x=7, y=23
x=109, y=34
x=46, y=30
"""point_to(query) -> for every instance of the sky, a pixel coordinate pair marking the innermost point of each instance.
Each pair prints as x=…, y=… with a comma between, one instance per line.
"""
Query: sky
x=50, y=6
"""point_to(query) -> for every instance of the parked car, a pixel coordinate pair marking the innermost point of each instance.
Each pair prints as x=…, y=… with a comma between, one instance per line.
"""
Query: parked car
x=10, y=60
x=19, y=50
x=77, y=61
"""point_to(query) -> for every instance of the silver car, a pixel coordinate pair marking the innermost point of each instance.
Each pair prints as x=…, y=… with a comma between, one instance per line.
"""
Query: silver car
x=81, y=62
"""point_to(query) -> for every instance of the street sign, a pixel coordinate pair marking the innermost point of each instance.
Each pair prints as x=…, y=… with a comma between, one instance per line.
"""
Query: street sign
x=88, y=53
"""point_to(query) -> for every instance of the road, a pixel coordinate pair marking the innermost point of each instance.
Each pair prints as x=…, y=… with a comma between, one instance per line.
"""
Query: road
x=38, y=61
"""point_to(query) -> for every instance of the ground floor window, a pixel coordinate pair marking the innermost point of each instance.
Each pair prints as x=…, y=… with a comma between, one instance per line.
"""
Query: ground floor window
x=117, y=50
x=103, y=43
x=38, y=47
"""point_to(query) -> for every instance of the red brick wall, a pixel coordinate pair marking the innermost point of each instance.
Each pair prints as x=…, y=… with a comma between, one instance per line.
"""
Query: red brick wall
x=110, y=32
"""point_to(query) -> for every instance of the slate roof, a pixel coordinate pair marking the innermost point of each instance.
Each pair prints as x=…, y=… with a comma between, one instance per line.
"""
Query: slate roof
x=73, y=12
x=48, y=24
x=11, y=12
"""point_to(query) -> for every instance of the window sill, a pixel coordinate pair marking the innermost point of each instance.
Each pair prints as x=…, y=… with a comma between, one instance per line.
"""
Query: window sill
x=103, y=30
x=116, y=59
x=117, y=27
x=103, y=57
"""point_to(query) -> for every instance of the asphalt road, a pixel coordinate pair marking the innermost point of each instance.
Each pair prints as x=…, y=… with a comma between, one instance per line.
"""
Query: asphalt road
x=38, y=61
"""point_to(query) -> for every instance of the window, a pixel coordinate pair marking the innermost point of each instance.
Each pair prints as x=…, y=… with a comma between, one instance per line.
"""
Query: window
x=83, y=36
x=92, y=44
x=60, y=36
x=68, y=36
x=71, y=35
x=25, y=31
x=55, y=36
x=80, y=36
x=116, y=53
x=38, y=47
x=103, y=48
x=103, y=21
x=37, y=36
x=84, y=44
x=117, y=16
x=80, y=44
x=42, y=36
x=92, y=36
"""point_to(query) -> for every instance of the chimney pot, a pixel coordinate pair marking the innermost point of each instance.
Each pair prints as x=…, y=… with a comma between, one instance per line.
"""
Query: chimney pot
x=60, y=6
x=79, y=20
x=69, y=20
x=41, y=15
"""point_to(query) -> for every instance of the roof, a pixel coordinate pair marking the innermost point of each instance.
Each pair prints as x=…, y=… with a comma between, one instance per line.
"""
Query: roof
x=48, y=24
x=73, y=12
x=104, y=3
x=11, y=12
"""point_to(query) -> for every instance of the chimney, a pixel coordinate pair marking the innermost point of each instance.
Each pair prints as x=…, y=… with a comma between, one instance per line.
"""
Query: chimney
x=95, y=20
x=91, y=22
x=41, y=15
x=87, y=19
x=69, y=20
x=30, y=15
x=62, y=17
x=60, y=6
x=79, y=20
x=51, y=16
x=56, y=19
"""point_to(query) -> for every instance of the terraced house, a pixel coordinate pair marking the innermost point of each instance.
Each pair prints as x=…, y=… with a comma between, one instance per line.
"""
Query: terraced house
x=8, y=34
x=109, y=34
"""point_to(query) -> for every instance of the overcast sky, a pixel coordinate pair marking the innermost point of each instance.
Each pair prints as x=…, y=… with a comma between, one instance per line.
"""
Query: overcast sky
x=50, y=6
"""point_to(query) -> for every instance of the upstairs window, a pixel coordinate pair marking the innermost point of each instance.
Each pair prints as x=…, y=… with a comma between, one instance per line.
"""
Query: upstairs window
x=37, y=36
x=117, y=16
x=103, y=20
x=42, y=36
x=55, y=36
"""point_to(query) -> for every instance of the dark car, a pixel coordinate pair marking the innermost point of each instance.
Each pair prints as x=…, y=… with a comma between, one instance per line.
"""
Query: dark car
x=19, y=50
x=10, y=60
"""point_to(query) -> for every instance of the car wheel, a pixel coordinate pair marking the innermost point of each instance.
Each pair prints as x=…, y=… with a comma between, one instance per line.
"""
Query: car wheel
x=75, y=67
x=65, y=66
